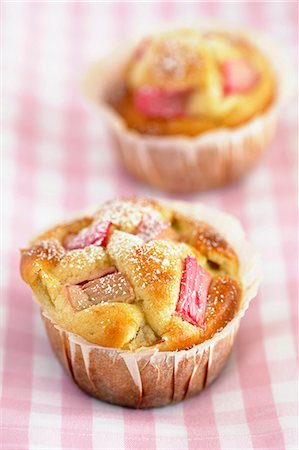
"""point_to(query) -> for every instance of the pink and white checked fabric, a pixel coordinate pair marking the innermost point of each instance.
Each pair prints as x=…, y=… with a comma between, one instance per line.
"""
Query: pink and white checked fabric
x=56, y=160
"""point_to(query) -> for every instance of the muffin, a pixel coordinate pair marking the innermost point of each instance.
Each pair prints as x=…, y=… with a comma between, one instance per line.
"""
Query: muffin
x=142, y=299
x=186, y=82
x=187, y=109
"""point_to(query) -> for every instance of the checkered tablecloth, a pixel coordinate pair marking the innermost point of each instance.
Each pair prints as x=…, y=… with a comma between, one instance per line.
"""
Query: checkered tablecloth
x=56, y=160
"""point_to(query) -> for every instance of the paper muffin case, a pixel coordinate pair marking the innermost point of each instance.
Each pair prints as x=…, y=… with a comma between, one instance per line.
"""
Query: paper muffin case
x=148, y=378
x=178, y=163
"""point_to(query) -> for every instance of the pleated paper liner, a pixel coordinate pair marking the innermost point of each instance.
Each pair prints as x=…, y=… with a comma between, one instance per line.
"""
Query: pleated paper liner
x=178, y=163
x=148, y=377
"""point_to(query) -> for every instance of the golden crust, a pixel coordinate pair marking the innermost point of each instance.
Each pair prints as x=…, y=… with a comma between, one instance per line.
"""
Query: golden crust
x=209, y=243
x=110, y=325
x=48, y=252
x=153, y=270
x=190, y=61
x=222, y=304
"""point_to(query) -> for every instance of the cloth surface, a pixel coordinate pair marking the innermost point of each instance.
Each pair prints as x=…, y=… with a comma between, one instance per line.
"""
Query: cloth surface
x=57, y=160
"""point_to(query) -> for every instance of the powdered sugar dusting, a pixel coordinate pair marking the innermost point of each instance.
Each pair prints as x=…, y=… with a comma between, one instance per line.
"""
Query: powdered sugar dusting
x=50, y=250
x=95, y=234
x=223, y=290
x=77, y=298
x=110, y=288
x=82, y=258
x=121, y=244
x=209, y=238
x=153, y=262
x=173, y=59
x=151, y=228
x=126, y=214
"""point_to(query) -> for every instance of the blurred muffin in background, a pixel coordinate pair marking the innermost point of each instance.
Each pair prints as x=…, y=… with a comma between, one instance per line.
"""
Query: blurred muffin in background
x=188, y=110
x=186, y=82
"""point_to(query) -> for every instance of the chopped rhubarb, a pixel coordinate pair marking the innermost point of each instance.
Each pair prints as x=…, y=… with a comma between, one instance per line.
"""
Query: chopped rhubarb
x=141, y=48
x=157, y=102
x=151, y=228
x=111, y=288
x=114, y=287
x=95, y=234
x=77, y=298
x=239, y=76
x=192, y=302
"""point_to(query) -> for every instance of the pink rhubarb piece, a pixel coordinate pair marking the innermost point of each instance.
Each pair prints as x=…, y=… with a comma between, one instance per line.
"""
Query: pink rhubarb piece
x=151, y=228
x=141, y=48
x=238, y=76
x=111, y=288
x=77, y=298
x=114, y=287
x=157, y=102
x=95, y=234
x=194, y=287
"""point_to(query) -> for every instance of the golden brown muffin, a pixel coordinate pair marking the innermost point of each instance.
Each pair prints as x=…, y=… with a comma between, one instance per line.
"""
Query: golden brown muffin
x=185, y=82
x=135, y=274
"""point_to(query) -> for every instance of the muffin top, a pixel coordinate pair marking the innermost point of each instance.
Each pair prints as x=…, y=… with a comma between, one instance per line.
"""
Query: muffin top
x=138, y=273
x=187, y=82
